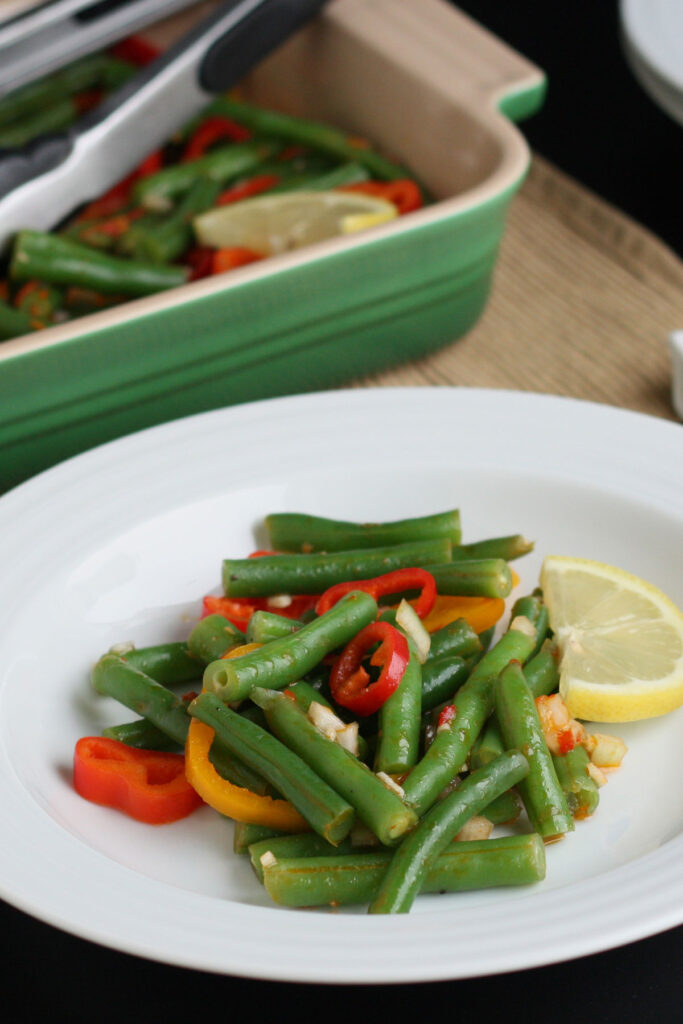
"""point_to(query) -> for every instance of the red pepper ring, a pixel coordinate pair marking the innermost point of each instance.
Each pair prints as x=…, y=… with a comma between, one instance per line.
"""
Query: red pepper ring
x=350, y=684
x=148, y=785
x=389, y=583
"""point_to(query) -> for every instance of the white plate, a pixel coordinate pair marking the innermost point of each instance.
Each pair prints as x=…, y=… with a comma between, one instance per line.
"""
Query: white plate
x=653, y=42
x=120, y=543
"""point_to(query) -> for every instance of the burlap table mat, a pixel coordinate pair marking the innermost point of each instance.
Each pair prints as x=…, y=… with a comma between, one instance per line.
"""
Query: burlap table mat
x=583, y=302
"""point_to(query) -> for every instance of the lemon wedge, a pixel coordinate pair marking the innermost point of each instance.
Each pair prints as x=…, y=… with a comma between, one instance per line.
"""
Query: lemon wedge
x=274, y=224
x=620, y=640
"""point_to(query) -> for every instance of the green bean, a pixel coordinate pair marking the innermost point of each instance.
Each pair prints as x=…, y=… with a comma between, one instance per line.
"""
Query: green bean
x=541, y=670
x=113, y=677
x=283, y=661
x=295, y=531
x=39, y=301
x=377, y=806
x=355, y=878
x=441, y=677
x=314, y=573
x=541, y=792
x=412, y=859
x=448, y=753
x=246, y=834
x=54, y=118
x=13, y=322
x=37, y=254
x=457, y=638
x=505, y=809
x=507, y=548
x=398, y=740
x=346, y=174
x=81, y=76
x=142, y=734
x=485, y=577
x=169, y=664
x=159, y=191
x=311, y=133
x=322, y=807
x=265, y=626
x=305, y=694
x=489, y=744
x=212, y=637
x=580, y=790
x=168, y=240
x=304, y=844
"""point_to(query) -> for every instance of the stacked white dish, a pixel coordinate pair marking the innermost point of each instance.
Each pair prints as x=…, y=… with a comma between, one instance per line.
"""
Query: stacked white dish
x=652, y=33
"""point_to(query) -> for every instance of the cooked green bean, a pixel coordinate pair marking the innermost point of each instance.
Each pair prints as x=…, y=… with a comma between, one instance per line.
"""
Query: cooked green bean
x=283, y=661
x=298, y=532
x=412, y=859
x=310, y=133
x=212, y=637
x=381, y=809
x=161, y=190
x=355, y=878
x=448, y=753
x=322, y=807
x=314, y=573
x=246, y=834
x=441, y=677
x=37, y=254
x=398, y=739
x=485, y=577
x=579, y=788
x=169, y=664
x=457, y=638
x=53, y=118
x=142, y=734
x=304, y=844
x=507, y=548
x=505, y=809
x=13, y=322
x=265, y=626
x=167, y=241
x=540, y=791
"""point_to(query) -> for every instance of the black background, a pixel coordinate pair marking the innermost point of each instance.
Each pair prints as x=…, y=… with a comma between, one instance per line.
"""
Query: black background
x=599, y=126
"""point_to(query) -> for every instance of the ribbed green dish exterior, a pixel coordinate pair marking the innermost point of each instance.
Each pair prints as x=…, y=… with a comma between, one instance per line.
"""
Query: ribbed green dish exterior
x=304, y=328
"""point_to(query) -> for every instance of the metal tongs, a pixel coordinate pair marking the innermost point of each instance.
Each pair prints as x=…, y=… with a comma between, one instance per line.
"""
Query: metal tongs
x=54, y=33
x=42, y=183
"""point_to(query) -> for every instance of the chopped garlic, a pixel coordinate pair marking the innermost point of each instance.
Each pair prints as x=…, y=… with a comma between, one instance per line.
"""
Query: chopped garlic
x=279, y=601
x=348, y=737
x=125, y=647
x=324, y=718
x=267, y=859
x=606, y=751
x=596, y=774
x=391, y=783
x=409, y=621
x=476, y=828
x=521, y=624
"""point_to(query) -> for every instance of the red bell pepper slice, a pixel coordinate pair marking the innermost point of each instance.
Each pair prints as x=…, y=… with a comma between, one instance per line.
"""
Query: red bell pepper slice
x=403, y=193
x=389, y=583
x=239, y=610
x=147, y=785
x=246, y=189
x=232, y=257
x=212, y=130
x=136, y=50
x=350, y=683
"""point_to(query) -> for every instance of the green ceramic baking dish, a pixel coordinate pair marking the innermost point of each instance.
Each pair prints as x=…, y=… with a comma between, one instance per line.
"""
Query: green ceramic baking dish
x=427, y=85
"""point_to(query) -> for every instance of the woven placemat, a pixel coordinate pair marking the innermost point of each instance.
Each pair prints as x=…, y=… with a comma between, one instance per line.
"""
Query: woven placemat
x=583, y=302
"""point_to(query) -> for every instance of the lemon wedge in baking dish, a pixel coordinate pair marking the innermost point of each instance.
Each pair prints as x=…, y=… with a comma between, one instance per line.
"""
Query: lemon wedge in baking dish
x=620, y=640
x=273, y=224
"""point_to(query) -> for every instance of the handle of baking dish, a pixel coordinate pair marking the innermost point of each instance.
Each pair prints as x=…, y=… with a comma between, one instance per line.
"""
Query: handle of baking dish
x=445, y=45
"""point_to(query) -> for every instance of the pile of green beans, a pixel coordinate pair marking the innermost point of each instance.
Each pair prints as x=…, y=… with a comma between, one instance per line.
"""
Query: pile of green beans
x=140, y=238
x=382, y=818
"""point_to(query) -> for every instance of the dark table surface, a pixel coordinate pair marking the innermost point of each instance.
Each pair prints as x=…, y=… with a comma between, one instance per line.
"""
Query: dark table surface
x=599, y=126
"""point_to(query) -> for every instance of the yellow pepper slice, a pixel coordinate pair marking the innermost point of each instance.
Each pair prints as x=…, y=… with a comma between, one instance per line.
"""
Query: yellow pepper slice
x=226, y=798
x=480, y=612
